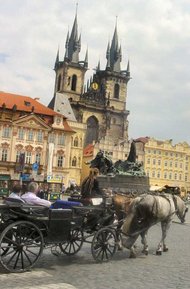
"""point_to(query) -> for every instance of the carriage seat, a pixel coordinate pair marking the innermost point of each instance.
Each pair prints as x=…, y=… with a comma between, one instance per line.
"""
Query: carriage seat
x=13, y=201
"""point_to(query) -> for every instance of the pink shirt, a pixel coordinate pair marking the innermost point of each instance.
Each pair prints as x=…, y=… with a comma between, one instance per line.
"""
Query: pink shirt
x=31, y=198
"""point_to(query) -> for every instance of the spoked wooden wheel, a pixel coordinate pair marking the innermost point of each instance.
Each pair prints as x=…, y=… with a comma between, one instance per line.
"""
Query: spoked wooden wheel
x=104, y=245
x=6, y=248
x=74, y=242
x=21, y=244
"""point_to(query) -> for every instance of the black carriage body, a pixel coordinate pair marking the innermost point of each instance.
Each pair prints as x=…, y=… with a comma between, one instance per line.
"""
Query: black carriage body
x=61, y=222
x=55, y=224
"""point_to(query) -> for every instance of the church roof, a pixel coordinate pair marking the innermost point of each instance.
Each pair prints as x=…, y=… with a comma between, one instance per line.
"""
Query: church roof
x=62, y=105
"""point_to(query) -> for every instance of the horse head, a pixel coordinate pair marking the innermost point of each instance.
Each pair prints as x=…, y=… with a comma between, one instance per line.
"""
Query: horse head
x=181, y=208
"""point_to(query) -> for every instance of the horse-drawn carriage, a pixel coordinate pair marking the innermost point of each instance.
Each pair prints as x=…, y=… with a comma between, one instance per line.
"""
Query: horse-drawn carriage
x=25, y=230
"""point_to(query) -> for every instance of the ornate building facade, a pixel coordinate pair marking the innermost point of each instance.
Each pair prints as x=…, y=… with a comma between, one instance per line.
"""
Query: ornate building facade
x=42, y=137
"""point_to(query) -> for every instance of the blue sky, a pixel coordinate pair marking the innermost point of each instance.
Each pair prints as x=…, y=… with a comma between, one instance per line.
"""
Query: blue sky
x=155, y=38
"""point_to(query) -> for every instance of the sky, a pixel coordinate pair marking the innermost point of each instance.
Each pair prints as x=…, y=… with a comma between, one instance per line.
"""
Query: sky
x=154, y=36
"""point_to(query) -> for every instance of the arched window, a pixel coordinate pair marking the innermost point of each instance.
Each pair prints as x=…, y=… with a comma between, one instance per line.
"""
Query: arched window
x=76, y=142
x=74, y=82
x=116, y=91
x=79, y=161
x=59, y=83
x=92, y=130
x=74, y=162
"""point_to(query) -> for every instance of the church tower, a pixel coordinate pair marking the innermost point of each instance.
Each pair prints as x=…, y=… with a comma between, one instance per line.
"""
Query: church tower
x=70, y=72
x=106, y=98
x=101, y=104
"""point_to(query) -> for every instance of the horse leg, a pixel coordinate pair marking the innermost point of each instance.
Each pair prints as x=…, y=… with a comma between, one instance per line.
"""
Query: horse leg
x=144, y=242
x=129, y=243
x=132, y=254
x=162, y=246
x=165, y=229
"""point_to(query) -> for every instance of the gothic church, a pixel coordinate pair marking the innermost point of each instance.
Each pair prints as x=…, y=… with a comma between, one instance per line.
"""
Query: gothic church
x=101, y=104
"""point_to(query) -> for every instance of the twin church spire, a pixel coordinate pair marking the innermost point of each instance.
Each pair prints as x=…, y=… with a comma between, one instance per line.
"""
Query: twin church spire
x=73, y=48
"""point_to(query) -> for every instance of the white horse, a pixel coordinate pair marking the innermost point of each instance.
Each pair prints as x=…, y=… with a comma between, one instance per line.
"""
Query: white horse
x=146, y=211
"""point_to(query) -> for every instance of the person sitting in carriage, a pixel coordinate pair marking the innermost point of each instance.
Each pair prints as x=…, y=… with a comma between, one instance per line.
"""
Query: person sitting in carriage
x=31, y=197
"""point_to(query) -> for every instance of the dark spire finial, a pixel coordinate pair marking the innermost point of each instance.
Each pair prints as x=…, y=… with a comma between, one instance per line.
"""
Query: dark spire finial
x=57, y=59
x=74, y=43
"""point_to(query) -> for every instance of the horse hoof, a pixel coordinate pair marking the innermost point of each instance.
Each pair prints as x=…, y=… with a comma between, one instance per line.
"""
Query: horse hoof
x=132, y=256
x=120, y=248
x=158, y=253
x=145, y=252
x=165, y=249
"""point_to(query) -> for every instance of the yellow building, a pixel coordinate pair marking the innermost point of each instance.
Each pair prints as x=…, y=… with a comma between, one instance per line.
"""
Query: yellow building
x=167, y=164
x=35, y=143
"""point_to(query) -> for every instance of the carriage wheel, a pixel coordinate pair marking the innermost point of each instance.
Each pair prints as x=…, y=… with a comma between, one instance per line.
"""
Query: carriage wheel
x=104, y=245
x=74, y=242
x=5, y=241
x=21, y=244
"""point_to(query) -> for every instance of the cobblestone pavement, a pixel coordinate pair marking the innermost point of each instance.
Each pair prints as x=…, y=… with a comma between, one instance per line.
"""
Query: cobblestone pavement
x=171, y=270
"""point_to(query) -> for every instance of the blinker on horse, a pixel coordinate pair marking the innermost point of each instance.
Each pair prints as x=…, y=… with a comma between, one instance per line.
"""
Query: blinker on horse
x=146, y=211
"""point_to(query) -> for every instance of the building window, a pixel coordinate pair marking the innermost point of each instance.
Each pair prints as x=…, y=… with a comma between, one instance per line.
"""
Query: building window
x=175, y=176
x=165, y=175
x=59, y=83
x=153, y=174
x=74, y=162
x=165, y=163
x=170, y=164
x=30, y=135
x=21, y=133
x=60, y=160
x=38, y=158
x=158, y=175
x=40, y=136
x=51, y=138
x=159, y=162
x=28, y=158
x=186, y=178
x=74, y=82
x=76, y=143
x=180, y=177
x=175, y=164
x=6, y=131
x=17, y=156
x=154, y=161
x=148, y=161
x=170, y=176
x=116, y=91
x=4, y=155
x=61, y=139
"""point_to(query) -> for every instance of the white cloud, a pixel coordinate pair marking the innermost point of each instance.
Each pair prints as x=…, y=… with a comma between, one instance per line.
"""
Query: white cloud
x=154, y=35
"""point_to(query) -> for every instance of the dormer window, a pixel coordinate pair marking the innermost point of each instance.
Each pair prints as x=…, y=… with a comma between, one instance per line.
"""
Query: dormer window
x=27, y=103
